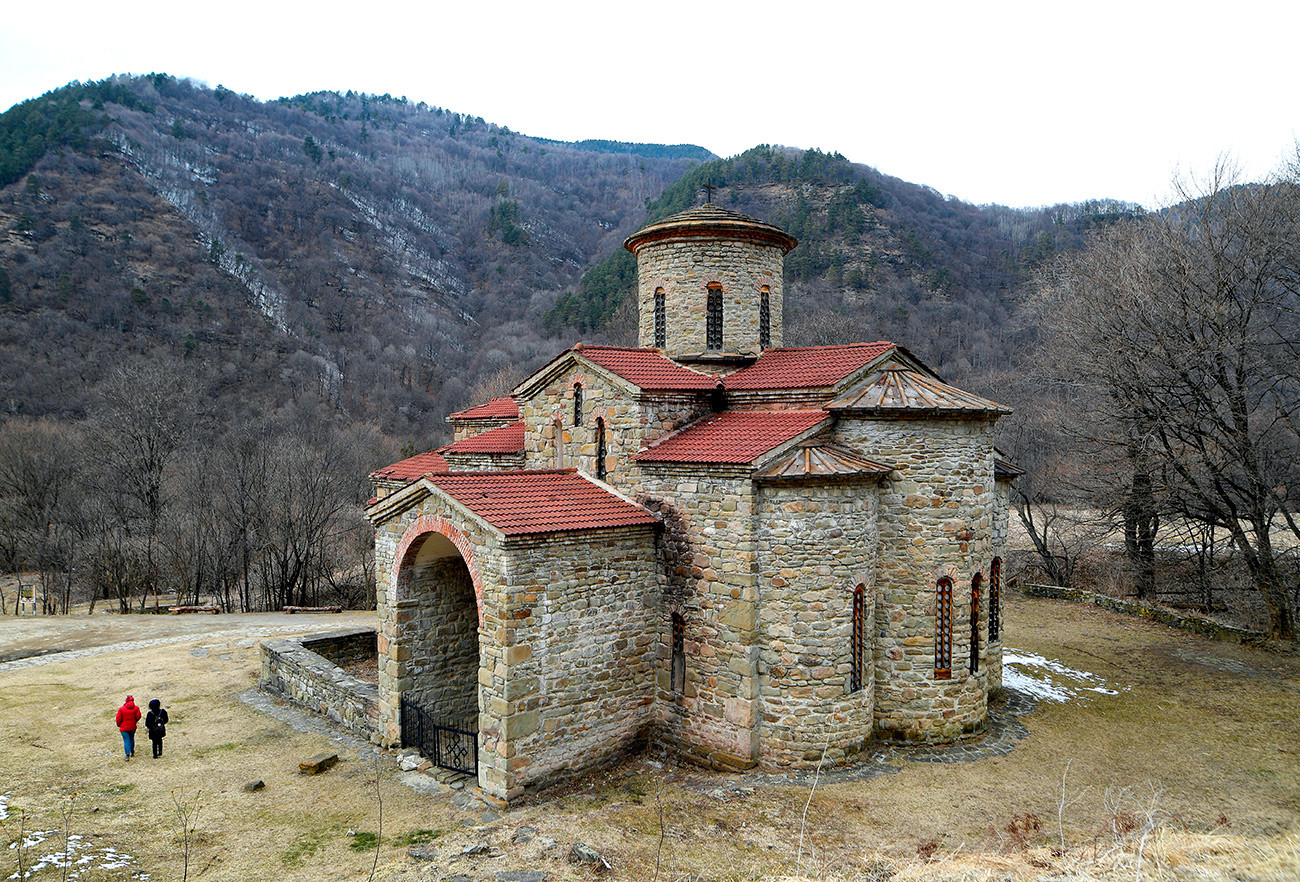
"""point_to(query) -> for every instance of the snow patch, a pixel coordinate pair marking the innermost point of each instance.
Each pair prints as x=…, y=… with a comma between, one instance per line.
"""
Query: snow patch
x=77, y=857
x=1048, y=679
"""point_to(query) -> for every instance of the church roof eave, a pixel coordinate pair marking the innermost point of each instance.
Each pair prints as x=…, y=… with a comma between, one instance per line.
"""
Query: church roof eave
x=635, y=370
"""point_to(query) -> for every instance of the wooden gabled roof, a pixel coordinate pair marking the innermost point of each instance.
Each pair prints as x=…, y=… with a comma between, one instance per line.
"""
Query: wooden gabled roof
x=900, y=389
x=822, y=459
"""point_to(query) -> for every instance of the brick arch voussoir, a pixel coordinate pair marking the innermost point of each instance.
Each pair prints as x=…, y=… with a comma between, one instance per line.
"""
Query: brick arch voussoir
x=425, y=525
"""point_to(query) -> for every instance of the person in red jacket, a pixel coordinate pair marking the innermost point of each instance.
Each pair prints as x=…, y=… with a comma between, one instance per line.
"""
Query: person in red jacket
x=128, y=715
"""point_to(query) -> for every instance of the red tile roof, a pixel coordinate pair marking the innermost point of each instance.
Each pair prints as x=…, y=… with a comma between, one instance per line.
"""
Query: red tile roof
x=810, y=367
x=496, y=409
x=733, y=436
x=418, y=466
x=526, y=502
x=503, y=439
x=647, y=369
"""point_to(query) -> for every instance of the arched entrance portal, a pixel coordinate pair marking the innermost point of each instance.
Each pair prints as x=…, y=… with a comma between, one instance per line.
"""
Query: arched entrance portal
x=437, y=643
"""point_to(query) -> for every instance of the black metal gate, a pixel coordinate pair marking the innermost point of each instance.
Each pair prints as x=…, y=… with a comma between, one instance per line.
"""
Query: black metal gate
x=447, y=747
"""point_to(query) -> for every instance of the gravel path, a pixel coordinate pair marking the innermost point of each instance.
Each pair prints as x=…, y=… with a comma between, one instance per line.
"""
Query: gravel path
x=74, y=630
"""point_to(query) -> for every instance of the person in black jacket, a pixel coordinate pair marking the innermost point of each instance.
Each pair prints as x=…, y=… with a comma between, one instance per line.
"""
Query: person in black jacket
x=156, y=722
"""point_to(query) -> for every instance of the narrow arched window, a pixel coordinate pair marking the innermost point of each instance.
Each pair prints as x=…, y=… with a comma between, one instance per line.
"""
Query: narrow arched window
x=679, y=654
x=765, y=317
x=713, y=317
x=601, y=451
x=661, y=319
x=975, y=623
x=857, y=647
x=943, y=629
x=995, y=600
x=577, y=404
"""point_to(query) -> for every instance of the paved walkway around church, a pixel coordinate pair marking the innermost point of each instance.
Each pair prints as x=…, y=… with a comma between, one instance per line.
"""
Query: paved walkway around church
x=1004, y=730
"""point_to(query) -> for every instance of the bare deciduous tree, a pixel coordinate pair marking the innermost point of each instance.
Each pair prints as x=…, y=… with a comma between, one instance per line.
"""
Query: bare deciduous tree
x=1178, y=336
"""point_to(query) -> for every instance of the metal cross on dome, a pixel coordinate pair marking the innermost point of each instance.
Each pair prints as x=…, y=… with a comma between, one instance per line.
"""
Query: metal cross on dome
x=708, y=190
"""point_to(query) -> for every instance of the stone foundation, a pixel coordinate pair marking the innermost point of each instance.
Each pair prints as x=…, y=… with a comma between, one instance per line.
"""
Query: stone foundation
x=304, y=673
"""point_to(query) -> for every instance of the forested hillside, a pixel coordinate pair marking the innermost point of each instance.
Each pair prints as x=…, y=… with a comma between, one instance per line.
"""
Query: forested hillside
x=218, y=314
x=878, y=258
x=371, y=253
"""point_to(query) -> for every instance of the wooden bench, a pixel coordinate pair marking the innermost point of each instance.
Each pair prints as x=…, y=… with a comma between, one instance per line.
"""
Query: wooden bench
x=181, y=610
x=313, y=609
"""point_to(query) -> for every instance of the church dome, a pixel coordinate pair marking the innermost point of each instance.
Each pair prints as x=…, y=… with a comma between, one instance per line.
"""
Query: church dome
x=710, y=221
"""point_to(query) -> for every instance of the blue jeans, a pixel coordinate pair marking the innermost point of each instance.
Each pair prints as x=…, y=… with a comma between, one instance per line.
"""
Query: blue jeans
x=128, y=742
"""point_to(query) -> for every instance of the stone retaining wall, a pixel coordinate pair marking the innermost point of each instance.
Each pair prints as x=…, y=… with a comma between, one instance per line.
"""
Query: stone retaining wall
x=343, y=648
x=307, y=678
x=1204, y=627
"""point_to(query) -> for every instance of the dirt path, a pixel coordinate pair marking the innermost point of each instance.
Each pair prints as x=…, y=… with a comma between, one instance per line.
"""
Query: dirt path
x=27, y=641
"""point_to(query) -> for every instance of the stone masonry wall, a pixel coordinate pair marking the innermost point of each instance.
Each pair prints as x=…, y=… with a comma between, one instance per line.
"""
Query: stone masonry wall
x=548, y=421
x=462, y=429
x=684, y=267
x=1001, y=516
x=816, y=542
x=309, y=680
x=707, y=555
x=343, y=647
x=483, y=462
x=399, y=540
x=579, y=653
x=631, y=422
x=942, y=487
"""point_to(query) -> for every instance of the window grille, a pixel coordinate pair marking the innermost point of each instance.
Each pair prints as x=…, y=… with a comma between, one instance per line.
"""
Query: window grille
x=577, y=404
x=943, y=629
x=765, y=318
x=975, y=624
x=995, y=600
x=661, y=320
x=858, y=646
x=713, y=320
x=679, y=654
x=601, y=452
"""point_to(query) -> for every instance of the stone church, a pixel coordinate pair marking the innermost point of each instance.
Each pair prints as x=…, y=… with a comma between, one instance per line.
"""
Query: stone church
x=748, y=553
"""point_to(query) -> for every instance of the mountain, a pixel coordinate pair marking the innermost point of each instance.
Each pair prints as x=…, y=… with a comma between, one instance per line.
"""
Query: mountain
x=371, y=254
x=388, y=262
x=878, y=258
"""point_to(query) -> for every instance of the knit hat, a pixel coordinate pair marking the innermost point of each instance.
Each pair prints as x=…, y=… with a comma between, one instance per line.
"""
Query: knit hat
x=155, y=704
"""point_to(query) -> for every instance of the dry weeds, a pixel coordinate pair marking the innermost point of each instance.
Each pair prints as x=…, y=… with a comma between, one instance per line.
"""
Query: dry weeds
x=1193, y=768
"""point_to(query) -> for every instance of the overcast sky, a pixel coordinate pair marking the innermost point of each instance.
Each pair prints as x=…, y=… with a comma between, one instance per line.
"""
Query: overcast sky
x=1019, y=103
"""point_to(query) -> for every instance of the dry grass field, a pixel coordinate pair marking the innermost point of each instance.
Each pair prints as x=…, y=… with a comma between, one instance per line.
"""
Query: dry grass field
x=1189, y=771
